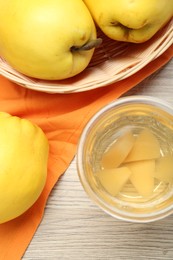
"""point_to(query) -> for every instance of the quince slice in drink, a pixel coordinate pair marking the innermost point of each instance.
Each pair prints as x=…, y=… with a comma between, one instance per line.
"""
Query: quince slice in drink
x=142, y=176
x=113, y=180
x=146, y=147
x=118, y=151
x=164, y=169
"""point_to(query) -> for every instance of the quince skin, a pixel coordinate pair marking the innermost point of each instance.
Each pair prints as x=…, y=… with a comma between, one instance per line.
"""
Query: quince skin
x=23, y=160
x=130, y=20
x=47, y=39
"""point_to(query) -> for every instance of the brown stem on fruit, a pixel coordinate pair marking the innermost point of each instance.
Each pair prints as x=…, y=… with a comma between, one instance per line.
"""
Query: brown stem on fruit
x=114, y=23
x=87, y=46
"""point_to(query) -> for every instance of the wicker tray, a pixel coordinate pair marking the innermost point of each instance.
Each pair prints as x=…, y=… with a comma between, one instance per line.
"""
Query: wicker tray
x=111, y=62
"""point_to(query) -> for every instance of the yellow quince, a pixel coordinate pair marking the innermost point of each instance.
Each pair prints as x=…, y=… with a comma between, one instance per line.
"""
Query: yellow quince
x=23, y=165
x=130, y=20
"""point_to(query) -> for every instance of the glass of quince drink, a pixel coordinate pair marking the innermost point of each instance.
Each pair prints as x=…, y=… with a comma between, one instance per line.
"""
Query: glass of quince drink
x=125, y=159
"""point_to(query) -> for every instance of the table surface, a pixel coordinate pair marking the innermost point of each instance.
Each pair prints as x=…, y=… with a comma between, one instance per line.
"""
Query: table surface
x=74, y=228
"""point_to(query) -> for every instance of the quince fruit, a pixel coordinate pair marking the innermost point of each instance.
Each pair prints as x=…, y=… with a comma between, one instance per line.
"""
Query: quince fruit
x=50, y=40
x=130, y=20
x=23, y=159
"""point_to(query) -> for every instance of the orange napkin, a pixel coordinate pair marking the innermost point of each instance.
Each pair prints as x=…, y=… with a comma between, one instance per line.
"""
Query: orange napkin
x=62, y=118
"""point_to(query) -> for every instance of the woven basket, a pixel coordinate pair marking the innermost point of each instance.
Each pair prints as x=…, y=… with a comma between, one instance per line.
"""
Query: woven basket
x=111, y=62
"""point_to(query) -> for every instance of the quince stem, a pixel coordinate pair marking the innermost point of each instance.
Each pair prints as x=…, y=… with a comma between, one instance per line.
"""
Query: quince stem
x=87, y=46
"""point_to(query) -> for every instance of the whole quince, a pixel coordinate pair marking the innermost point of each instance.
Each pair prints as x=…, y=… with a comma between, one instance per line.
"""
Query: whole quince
x=47, y=39
x=130, y=20
x=23, y=159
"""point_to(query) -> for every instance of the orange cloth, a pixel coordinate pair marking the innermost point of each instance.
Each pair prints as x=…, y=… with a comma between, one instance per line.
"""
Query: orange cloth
x=62, y=118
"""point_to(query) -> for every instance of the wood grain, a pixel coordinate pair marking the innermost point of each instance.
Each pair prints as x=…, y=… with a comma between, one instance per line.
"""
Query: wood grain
x=73, y=228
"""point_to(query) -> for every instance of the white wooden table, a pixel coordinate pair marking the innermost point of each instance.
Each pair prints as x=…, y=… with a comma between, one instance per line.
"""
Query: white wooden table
x=73, y=228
